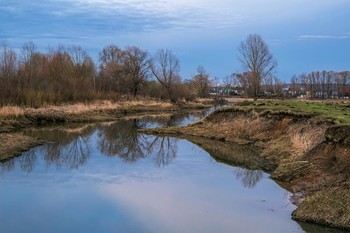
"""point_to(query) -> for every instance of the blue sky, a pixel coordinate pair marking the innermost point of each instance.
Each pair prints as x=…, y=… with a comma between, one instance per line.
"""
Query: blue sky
x=303, y=35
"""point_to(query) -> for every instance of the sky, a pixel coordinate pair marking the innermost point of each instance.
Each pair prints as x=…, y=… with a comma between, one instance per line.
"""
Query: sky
x=303, y=35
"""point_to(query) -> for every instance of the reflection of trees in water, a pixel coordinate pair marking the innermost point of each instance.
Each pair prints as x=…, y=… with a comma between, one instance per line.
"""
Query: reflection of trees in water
x=122, y=139
x=7, y=166
x=27, y=161
x=68, y=147
x=71, y=155
x=165, y=149
x=249, y=178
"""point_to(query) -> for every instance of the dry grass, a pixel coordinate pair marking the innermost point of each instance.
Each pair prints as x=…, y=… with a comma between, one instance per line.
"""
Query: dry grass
x=11, y=111
x=329, y=206
x=246, y=128
x=79, y=108
x=14, y=144
x=304, y=139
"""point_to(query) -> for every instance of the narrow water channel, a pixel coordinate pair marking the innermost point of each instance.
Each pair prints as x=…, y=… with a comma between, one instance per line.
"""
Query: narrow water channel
x=107, y=177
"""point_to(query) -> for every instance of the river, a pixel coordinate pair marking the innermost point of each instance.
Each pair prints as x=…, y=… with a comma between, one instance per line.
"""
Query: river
x=107, y=177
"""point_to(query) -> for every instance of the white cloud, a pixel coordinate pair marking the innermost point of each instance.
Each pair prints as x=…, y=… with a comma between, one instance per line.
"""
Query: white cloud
x=332, y=37
x=169, y=14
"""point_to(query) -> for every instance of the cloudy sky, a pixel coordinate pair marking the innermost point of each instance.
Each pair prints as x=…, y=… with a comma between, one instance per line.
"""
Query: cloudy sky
x=303, y=35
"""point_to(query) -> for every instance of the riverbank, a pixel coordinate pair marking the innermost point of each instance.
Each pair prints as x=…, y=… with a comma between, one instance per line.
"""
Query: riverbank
x=13, y=119
x=306, y=144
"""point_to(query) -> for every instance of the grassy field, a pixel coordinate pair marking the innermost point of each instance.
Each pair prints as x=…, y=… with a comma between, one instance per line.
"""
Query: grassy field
x=339, y=111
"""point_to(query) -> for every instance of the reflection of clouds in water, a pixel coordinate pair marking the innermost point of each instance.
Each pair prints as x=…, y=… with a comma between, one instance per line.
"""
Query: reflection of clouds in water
x=171, y=207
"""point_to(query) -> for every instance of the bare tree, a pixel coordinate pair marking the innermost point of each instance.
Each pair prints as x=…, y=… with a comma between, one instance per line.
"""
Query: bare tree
x=8, y=70
x=257, y=60
x=28, y=51
x=8, y=62
x=137, y=67
x=165, y=67
x=111, y=69
x=110, y=61
x=83, y=70
x=201, y=82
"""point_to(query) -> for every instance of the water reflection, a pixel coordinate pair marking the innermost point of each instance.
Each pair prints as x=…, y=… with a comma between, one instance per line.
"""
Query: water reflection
x=313, y=228
x=27, y=161
x=200, y=189
x=249, y=165
x=178, y=119
x=70, y=147
x=165, y=148
x=249, y=178
x=122, y=139
x=67, y=147
x=7, y=166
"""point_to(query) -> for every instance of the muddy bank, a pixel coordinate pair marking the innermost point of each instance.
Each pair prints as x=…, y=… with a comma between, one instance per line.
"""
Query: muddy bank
x=307, y=154
x=13, y=144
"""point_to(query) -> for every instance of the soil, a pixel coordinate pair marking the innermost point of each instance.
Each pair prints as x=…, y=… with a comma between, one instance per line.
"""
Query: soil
x=309, y=156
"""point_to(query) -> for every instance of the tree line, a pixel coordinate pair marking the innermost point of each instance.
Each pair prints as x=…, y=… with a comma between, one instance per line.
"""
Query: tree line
x=321, y=84
x=33, y=78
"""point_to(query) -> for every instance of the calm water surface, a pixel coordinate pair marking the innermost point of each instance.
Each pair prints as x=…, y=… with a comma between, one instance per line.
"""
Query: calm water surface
x=109, y=178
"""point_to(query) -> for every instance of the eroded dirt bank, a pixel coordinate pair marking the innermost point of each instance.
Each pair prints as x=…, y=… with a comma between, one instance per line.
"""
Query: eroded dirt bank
x=308, y=155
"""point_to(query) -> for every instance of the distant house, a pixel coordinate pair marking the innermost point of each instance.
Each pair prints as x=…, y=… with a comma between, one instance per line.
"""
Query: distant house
x=344, y=91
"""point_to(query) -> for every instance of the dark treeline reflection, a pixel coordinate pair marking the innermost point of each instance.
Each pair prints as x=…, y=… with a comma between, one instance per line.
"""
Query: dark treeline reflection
x=121, y=139
x=66, y=147
x=70, y=147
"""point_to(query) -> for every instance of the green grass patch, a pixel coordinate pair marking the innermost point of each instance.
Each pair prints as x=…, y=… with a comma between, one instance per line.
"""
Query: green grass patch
x=336, y=111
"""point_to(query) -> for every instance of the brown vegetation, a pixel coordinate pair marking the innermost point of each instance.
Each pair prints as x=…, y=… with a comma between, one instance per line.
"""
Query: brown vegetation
x=33, y=78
